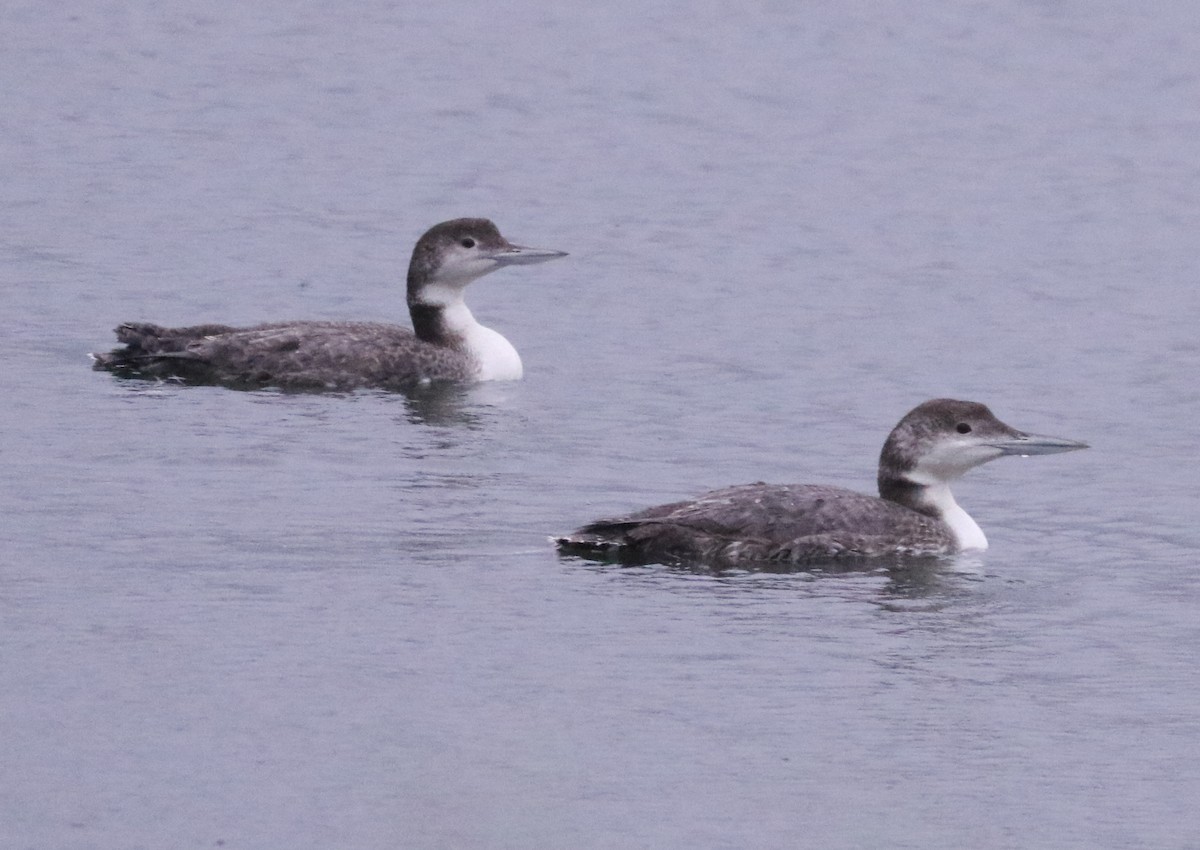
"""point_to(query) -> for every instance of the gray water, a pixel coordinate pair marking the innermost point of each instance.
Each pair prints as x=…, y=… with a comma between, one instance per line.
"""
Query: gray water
x=257, y=620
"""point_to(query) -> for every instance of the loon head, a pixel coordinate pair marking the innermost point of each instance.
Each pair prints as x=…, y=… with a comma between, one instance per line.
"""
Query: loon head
x=452, y=254
x=938, y=441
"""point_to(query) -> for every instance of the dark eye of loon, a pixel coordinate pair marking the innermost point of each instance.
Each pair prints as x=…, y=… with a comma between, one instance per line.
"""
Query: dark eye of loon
x=963, y=428
x=467, y=242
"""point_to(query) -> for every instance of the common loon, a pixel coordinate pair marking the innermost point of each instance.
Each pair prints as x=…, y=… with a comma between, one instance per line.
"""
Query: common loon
x=446, y=342
x=915, y=514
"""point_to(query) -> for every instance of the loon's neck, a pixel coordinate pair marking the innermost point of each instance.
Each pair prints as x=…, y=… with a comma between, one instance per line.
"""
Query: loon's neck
x=934, y=499
x=442, y=318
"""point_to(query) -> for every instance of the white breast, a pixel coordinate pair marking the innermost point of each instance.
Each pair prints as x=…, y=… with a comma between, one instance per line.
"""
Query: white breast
x=966, y=531
x=497, y=359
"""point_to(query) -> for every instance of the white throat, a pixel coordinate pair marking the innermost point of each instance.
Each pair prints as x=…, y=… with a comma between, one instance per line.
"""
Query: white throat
x=496, y=358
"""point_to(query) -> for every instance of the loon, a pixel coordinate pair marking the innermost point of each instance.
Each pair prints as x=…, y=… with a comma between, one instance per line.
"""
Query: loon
x=445, y=344
x=914, y=515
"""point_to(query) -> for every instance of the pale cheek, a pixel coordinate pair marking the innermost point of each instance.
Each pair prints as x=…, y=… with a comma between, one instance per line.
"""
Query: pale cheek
x=951, y=462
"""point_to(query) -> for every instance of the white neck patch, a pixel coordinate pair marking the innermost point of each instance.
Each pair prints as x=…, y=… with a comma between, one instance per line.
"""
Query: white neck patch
x=496, y=358
x=966, y=531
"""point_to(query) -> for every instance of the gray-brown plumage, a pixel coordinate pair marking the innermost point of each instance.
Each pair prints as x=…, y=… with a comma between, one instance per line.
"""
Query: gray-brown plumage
x=916, y=515
x=445, y=344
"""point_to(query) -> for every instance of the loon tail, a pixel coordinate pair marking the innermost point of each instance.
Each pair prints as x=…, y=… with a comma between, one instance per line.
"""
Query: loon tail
x=147, y=347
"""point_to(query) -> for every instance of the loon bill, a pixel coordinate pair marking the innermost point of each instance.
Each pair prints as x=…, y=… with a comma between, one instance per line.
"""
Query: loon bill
x=915, y=513
x=446, y=343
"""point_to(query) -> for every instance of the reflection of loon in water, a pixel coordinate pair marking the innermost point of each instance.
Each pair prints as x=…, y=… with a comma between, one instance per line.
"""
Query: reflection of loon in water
x=446, y=342
x=915, y=513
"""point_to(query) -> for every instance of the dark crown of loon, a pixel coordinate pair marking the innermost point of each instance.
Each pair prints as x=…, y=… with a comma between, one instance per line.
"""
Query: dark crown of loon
x=446, y=343
x=914, y=515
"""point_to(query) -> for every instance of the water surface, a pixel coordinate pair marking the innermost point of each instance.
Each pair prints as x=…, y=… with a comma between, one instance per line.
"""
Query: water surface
x=264, y=620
